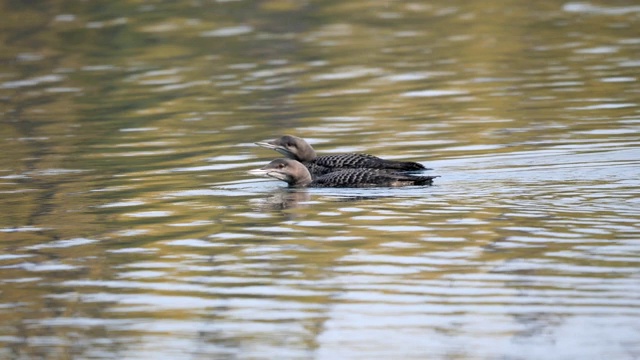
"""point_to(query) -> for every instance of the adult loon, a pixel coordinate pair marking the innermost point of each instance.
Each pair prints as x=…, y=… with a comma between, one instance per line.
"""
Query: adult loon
x=296, y=148
x=296, y=174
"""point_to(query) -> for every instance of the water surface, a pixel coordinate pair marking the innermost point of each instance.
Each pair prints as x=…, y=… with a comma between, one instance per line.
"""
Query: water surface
x=130, y=228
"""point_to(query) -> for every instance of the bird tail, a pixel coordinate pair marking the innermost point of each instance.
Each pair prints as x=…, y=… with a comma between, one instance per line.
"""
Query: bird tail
x=404, y=165
x=423, y=180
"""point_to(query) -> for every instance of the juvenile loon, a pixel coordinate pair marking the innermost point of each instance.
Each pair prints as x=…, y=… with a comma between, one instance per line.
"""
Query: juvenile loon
x=296, y=174
x=296, y=148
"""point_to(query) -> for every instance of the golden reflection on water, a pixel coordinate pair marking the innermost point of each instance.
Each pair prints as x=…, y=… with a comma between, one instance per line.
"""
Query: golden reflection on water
x=130, y=228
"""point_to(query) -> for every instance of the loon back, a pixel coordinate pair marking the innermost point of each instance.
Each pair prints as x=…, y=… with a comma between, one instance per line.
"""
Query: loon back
x=365, y=178
x=355, y=160
x=296, y=174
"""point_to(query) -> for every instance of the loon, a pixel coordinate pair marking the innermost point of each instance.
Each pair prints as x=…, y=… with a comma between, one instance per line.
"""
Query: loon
x=296, y=148
x=296, y=175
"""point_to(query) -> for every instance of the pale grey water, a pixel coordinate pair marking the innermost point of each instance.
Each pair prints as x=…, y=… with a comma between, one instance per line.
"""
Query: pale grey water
x=130, y=229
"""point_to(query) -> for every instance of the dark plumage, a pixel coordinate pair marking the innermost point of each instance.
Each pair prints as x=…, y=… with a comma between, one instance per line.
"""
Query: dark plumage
x=297, y=149
x=296, y=174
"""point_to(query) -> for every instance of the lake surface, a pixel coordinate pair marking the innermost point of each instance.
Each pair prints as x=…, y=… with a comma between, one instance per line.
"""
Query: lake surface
x=130, y=229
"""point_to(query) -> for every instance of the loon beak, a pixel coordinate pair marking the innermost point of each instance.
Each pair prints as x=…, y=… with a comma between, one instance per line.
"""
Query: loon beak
x=268, y=173
x=259, y=172
x=279, y=148
x=266, y=145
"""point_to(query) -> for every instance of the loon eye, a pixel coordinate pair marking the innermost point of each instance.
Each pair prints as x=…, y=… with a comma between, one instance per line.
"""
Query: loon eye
x=280, y=166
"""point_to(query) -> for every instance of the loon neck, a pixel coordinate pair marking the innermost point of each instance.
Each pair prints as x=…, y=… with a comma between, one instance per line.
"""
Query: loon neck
x=305, y=152
x=300, y=176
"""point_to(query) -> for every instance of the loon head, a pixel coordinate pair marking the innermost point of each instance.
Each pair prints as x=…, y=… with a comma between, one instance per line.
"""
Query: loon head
x=290, y=171
x=292, y=147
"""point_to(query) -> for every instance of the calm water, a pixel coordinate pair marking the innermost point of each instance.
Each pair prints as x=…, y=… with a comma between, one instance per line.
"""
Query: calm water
x=129, y=228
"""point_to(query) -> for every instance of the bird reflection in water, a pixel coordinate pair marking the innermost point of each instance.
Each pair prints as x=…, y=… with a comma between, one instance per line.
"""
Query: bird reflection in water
x=282, y=199
x=287, y=198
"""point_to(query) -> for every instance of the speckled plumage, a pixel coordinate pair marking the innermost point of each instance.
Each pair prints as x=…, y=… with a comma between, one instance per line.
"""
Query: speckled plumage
x=296, y=174
x=361, y=178
x=298, y=149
